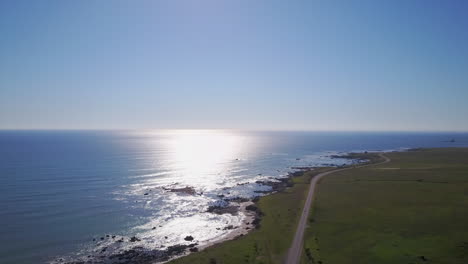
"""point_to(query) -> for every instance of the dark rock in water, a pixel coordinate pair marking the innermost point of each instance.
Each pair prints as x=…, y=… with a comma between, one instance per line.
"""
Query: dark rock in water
x=146, y=194
x=134, y=239
x=104, y=249
x=94, y=239
x=194, y=249
x=237, y=199
x=229, y=227
x=113, y=237
x=165, y=237
x=139, y=255
x=280, y=184
x=153, y=228
x=192, y=245
x=188, y=238
x=185, y=190
x=303, y=168
x=102, y=238
x=177, y=249
x=233, y=210
x=295, y=174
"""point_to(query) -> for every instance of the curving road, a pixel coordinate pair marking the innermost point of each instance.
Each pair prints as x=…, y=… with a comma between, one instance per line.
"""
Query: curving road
x=294, y=253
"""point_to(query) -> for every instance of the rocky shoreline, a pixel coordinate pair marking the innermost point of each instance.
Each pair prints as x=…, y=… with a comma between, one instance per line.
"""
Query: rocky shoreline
x=233, y=205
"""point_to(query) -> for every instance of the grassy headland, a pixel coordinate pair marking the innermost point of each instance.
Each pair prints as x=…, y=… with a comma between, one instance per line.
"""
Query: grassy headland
x=270, y=242
x=411, y=210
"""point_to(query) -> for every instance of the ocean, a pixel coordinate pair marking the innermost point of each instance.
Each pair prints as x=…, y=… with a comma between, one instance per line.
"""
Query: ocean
x=64, y=194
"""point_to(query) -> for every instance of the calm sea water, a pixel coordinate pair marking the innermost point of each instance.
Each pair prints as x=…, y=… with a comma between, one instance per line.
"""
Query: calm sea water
x=61, y=189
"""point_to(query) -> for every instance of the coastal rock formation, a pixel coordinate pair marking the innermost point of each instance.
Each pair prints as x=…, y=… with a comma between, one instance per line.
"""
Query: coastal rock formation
x=186, y=190
x=194, y=249
x=134, y=239
x=237, y=199
x=232, y=209
x=278, y=185
x=136, y=255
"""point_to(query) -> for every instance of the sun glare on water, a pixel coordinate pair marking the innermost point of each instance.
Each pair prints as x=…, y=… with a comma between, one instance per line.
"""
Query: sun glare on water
x=203, y=155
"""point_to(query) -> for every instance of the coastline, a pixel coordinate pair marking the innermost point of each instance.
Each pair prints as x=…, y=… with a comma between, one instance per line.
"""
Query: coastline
x=360, y=159
x=250, y=221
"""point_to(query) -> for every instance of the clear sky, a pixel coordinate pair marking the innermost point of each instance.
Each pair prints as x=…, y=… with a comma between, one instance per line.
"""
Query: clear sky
x=243, y=64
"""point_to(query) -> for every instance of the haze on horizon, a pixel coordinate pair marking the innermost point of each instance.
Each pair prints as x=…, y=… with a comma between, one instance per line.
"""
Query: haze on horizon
x=283, y=65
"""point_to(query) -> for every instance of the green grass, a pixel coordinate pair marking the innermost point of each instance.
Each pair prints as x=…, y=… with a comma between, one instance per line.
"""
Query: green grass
x=416, y=205
x=269, y=243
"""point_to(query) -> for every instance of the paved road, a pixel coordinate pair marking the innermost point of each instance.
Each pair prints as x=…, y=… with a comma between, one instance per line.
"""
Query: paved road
x=294, y=253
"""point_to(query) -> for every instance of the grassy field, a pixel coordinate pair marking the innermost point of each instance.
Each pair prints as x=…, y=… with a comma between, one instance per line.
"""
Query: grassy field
x=411, y=210
x=269, y=243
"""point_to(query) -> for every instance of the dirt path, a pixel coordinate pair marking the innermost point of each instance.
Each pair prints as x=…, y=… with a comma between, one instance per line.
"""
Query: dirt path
x=294, y=253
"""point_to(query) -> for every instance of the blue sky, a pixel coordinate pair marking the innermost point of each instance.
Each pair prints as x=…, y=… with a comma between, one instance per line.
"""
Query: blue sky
x=283, y=65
